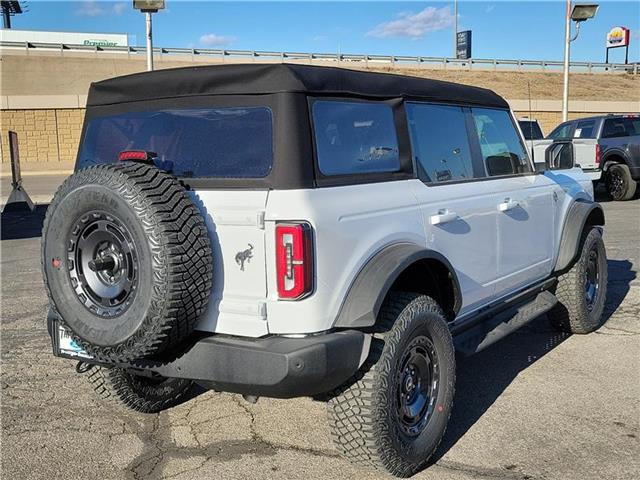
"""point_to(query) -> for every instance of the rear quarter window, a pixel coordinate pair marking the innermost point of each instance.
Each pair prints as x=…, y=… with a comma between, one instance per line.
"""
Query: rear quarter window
x=231, y=142
x=355, y=137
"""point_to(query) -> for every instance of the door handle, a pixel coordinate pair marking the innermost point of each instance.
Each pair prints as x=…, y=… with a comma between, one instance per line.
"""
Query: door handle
x=507, y=205
x=443, y=216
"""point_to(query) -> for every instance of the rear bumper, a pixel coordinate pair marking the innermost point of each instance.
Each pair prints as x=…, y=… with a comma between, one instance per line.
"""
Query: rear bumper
x=275, y=366
x=593, y=174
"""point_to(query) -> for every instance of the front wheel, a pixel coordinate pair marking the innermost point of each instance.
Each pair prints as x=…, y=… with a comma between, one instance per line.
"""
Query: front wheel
x=393, y=414
x=620, y=185
x=582, y=291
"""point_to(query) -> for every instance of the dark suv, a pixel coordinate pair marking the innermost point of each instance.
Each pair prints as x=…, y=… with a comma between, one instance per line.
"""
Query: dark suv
x=617, y=153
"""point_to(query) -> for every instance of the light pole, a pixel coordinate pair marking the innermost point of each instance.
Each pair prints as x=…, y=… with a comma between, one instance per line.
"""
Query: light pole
x=455, y=28
x=148, y=7
x=578, y=13
x=147, y=14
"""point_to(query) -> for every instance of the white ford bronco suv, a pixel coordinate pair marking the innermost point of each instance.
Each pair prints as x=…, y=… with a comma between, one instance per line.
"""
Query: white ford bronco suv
x=289, y=230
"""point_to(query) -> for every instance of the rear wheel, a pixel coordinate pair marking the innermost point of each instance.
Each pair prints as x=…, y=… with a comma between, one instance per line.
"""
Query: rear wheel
x=620, y=185
x=582, y=291
x=393, y=414
x=144, y=394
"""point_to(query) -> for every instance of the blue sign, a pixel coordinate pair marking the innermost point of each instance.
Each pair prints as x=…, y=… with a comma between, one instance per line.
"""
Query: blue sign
x=463, y=45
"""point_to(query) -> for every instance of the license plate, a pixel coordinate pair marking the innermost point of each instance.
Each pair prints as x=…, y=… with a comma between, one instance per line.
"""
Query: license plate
x=67, y=346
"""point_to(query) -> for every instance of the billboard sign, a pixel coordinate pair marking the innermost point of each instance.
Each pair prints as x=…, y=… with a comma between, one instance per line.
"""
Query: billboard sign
x=618, y=37
x=70, y=38
x=463, y=45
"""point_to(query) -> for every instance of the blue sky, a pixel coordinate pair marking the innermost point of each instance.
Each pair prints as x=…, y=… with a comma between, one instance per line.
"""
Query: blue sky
x=502, y=29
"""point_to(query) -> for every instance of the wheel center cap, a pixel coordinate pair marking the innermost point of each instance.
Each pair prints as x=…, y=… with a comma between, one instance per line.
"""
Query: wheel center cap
x=409, y=383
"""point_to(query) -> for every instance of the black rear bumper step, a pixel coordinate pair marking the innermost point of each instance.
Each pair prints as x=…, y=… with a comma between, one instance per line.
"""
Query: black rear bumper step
x=275, y=366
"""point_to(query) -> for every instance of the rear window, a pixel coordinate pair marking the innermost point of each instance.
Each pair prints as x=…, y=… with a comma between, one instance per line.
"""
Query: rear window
x=355, y=137
x=195, y=142
x=530, y=130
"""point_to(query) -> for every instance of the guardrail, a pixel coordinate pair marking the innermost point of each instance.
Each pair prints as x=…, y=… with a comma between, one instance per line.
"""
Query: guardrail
x=392, y=60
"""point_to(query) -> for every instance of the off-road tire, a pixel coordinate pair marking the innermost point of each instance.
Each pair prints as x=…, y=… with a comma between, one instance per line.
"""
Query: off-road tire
x=619, y=173
x=139, y=393
x=173, y=269
x=572, y=313
x=362, y=413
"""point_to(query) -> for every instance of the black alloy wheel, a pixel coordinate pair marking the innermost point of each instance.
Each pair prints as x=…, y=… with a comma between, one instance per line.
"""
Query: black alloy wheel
x=106, y=273
x=417, y=386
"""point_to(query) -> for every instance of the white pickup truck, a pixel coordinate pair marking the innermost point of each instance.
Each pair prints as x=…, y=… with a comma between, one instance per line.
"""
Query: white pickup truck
x=586, y=151
x=585, y=145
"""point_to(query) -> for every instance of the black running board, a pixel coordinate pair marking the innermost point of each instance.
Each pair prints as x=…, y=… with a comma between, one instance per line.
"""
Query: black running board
x=491, y=330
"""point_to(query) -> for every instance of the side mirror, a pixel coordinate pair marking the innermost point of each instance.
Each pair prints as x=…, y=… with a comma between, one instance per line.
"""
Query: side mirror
x=559, y=155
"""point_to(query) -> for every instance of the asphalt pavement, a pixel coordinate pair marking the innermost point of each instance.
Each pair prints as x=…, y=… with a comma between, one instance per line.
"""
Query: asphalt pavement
x=537, y=405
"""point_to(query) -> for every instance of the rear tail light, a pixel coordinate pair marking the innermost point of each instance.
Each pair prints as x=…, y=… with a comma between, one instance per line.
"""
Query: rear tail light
x=294, y=260
x=597, y=154
x=136, y=155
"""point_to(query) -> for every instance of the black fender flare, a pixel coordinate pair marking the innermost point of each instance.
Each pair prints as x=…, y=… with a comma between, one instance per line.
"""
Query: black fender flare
x=372, y=283
x=576, y=219
x=613, y=152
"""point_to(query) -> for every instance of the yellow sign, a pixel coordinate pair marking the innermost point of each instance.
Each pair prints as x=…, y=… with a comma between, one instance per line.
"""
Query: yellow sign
x=618, y=37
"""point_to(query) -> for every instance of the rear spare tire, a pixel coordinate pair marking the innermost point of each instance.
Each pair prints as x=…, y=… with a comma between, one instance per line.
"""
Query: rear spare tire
x=144, y=394
x=126, y=260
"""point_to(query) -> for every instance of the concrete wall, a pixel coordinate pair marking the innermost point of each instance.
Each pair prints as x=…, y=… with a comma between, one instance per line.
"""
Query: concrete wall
x=47, y=138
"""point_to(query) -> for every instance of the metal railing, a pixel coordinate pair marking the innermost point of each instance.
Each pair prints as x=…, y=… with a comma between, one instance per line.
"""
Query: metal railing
x=390, y=60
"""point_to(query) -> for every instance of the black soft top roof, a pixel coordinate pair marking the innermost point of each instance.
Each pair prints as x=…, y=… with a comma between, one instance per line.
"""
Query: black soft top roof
x=256, y=79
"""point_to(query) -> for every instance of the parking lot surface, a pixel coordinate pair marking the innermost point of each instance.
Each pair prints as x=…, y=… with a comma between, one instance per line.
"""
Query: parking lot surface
x=537, y=405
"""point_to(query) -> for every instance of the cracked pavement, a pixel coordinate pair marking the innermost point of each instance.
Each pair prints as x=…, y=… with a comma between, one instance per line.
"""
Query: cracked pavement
x=537, y=405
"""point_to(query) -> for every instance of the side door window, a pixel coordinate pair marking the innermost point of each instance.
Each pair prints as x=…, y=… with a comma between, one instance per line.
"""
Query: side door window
x=618, y=127
x=459, y=212
x=440, y=143
x=502, y=151
x=585, y=129
x=561, y=131
x=525, y=205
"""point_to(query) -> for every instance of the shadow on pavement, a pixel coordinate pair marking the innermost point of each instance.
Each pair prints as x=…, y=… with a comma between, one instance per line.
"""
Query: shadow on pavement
x=24, y=224
x=620, y=277
x=482, y=378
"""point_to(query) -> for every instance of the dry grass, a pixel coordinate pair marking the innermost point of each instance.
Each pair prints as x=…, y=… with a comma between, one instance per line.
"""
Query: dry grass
x=544, y=86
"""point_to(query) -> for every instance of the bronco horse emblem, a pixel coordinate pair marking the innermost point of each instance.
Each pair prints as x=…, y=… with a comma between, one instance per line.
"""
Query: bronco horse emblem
x=244, y=256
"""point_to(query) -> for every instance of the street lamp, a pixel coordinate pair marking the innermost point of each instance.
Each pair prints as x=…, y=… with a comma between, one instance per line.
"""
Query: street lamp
x=579, y=12
x=455, y=28
x=148, y=7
